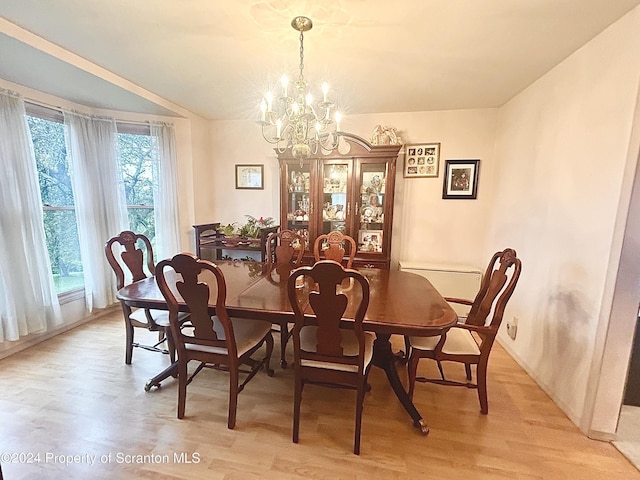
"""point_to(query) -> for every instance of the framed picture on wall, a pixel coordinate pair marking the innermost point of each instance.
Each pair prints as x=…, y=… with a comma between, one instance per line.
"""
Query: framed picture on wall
x=250, y=177
x=421, y=160
x=461, y=179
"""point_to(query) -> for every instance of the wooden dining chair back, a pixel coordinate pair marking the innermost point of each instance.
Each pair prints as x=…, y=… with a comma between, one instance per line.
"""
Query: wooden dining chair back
x=130, y=256
x=470, y=341
x=331, y=246
x=325, y=352
x=215, y=339
x=285, y=250
x=285, y=247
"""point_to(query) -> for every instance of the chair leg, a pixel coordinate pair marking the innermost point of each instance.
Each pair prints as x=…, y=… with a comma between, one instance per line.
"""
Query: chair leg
x=284, y=338
x=407, y=348
x=170, y=345
x=233, y=396
x=297, y=400
x=267, y=358
x=359, y=408
x=481, y=380
x=412, y=369
x=440, y=369
x=129, y=340
x=182, y=388
x=467, y=369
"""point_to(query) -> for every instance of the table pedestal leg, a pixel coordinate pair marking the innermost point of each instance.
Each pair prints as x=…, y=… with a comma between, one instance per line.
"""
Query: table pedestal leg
x=384, y=358
x=170, y=371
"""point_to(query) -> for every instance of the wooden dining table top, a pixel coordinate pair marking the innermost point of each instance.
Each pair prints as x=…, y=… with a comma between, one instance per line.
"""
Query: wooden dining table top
x=400, y=302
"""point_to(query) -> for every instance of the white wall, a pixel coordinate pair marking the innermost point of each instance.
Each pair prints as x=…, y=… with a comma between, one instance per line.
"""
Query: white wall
x=562, y=150
x=232, y=143
x=426, y=227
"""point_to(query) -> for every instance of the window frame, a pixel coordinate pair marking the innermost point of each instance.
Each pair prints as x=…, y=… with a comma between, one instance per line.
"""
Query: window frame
x=55, y=115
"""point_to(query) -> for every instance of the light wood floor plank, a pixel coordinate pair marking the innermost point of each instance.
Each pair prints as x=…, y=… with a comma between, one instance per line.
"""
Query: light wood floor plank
x=73, y=395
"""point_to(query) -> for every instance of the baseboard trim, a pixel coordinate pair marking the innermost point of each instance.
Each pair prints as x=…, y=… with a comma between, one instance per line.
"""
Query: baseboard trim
x=602, y=436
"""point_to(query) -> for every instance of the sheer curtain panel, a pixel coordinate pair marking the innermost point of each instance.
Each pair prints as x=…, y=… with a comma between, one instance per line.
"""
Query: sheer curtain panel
x=165, y=191
x=28, y=300
x=99, y=197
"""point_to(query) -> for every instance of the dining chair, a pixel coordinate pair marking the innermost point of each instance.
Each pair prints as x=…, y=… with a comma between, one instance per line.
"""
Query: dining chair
x=133, y=252
x=285, y=246
x=324, y=353
x=285, y=250
x=470, y=341
x=331, y=247
x=216, y=340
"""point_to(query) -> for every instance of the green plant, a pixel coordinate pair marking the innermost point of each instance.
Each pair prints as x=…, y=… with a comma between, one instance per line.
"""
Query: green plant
x=251, y=228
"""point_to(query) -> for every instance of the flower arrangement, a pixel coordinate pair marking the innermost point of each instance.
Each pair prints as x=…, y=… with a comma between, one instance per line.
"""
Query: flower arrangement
x=250, y=229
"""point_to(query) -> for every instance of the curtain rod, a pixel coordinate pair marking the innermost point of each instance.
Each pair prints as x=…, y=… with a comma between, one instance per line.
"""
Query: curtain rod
x=59, y=109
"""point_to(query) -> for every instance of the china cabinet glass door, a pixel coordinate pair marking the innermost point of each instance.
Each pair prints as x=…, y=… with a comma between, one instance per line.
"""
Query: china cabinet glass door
x=299, y=206
x=349, y=190
x=371, y=208
x=335, y=196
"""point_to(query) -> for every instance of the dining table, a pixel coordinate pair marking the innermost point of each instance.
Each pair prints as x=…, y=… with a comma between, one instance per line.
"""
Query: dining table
x=401, y=303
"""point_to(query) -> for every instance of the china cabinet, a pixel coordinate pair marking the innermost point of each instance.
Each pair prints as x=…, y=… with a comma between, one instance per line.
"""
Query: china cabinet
x=349, y=189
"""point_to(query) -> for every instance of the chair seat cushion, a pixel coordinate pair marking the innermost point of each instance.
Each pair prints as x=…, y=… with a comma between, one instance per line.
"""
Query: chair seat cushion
x=248, y=333
x=161, y=317
x=349, y=348
x=459, y=342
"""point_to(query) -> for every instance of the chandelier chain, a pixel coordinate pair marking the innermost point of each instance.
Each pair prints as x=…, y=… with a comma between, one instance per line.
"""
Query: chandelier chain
x=301, y=55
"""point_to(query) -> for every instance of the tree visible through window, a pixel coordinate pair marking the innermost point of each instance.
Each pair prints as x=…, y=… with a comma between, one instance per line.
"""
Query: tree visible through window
x=137, y=174
x=54, y=176
x=60, y=225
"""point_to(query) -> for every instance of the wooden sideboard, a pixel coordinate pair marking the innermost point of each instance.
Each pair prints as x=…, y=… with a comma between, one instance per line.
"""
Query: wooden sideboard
x=210, y=243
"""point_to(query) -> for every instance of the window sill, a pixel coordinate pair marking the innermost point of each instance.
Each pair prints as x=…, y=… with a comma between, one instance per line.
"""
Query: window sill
x=70, y=296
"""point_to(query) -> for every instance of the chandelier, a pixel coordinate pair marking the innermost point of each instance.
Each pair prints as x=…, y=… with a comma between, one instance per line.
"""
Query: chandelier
x=292, y=120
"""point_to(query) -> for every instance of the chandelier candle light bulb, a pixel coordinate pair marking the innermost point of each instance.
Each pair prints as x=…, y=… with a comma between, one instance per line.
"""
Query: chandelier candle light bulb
x=294, y=122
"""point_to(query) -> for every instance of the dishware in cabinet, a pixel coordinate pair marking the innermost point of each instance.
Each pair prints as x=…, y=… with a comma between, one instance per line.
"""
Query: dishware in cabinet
x=296, y=208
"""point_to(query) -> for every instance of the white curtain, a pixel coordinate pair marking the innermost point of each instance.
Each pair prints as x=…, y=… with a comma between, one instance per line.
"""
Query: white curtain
x=100, y=200
x=28, y=300
x=165, y=192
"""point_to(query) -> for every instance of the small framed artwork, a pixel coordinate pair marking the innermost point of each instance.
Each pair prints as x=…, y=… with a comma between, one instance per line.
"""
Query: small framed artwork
x=461, y=179
x=250, y=177
x=370, y=241
x=421, y=160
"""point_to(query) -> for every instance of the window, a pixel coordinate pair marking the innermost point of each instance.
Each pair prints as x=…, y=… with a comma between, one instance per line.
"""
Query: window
x=48, y=136
x=134, y=152
x=54, y=175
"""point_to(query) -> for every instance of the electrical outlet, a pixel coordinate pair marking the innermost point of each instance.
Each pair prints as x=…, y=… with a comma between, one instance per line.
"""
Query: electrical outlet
x=512, y=328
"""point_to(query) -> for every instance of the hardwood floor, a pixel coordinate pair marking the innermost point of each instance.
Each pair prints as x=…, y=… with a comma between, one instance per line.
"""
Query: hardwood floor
x=73, y=395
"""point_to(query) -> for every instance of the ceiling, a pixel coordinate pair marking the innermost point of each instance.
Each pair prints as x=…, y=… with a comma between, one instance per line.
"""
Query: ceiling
x=217, y=58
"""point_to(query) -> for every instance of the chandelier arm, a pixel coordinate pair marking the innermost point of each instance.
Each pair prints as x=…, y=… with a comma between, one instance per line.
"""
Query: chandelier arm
x=280, y=149
x=272, y=141
x=287, y=132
